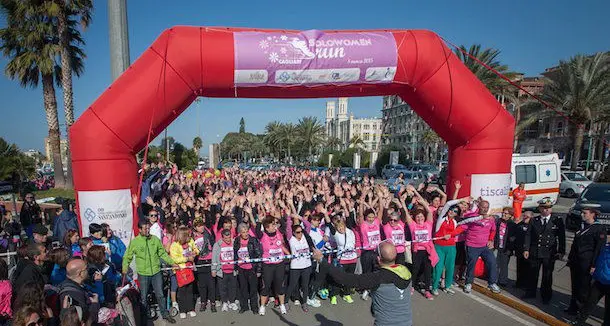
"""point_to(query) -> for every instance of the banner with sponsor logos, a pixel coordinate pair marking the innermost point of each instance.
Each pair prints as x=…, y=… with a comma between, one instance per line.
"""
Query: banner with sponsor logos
x=494, y=188
x=314, y=57
x=112, y=207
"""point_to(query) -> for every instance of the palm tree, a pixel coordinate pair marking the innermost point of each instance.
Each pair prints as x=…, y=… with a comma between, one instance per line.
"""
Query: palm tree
x=272, y=135
x=431, y=139
x=356, y=142
x=526, y=111
x=287, y=137
x=333, y=143
x=311, y=133
x=27, y=41
x=197, y=144
x=68, y=13
x=580, y=88
x=488, y=56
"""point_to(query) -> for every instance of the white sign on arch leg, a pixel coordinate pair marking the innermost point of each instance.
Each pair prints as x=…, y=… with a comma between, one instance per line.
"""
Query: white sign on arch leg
x=112, y=207
x=494, y=188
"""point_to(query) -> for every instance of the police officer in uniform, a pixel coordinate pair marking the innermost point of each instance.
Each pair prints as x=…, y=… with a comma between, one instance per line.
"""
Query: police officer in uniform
x=546, y=240
x=588, y=241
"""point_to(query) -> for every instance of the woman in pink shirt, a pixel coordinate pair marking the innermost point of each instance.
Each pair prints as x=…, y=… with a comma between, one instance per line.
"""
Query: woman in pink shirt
x=394, y=230
x=370, y=235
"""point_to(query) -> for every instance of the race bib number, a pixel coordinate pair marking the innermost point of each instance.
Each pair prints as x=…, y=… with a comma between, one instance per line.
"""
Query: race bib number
x=349, y=254
x=398, y=236
x=275, y=253
x=226, y=254
x=243, y=253
x=374, y=238
x=302, y=251
x=421, y=236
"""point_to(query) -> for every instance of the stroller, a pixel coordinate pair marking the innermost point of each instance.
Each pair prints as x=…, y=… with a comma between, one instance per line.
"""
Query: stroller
x=133, y=290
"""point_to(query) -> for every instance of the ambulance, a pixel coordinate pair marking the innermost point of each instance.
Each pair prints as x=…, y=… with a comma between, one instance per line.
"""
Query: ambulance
x=541, y=174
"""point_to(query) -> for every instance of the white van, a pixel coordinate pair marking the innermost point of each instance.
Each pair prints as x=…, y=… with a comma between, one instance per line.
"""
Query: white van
x=541, y=175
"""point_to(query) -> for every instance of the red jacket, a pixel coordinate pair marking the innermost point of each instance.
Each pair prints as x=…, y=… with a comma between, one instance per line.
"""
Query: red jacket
x=448, y=227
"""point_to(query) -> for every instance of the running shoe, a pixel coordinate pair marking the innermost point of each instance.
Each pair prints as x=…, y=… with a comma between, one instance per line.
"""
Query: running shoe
x=261, y=310
x=348, y=299
x=435, y=292
x=213, y=307
x=297, y=302
x=467, y=288
x=233, y=306
x=449, y=290
x=495, y=288
x=182, y=315
x=429, y=295
x=225, y=307
x=323, y=293
x=365, y=295
x=192, y=314
x=313, y=303
x=333, y=300
x=283, y=309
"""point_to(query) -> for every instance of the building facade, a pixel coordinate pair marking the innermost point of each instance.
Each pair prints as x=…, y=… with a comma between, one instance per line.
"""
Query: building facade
x=344, y=126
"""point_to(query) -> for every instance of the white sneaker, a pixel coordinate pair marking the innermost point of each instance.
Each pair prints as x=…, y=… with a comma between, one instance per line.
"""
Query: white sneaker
x=233, y=306
x=313, y=303
x=225, y=307
x=467, y=288
x=182, y=315
x=297, y=302
x=261, y=310
x=192, y=314
x=495, y=288
x=175, y=305
x=365, y=295
x=283, y=309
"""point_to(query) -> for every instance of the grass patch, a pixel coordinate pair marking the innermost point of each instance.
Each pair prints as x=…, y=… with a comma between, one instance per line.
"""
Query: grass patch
x=64, y=193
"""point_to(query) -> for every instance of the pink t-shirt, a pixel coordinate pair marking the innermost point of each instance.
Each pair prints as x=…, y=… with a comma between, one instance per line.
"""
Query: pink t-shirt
x=272, y=248
x=370, y=234
x=226, y=255
x=420, y=234
x=479, y=232
x=243, y=254
x=396, y=233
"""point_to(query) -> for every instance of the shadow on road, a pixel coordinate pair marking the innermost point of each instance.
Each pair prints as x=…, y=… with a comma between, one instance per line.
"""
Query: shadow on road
x=319, y=317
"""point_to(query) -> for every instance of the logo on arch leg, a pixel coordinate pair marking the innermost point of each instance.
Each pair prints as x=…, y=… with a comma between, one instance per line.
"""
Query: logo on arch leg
x=90, y=214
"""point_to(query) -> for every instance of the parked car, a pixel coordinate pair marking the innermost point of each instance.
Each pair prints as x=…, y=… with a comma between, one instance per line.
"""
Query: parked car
x=573, y=183
x=430, y=171
x=595, y=195
x=392, y=170
x=410, y=177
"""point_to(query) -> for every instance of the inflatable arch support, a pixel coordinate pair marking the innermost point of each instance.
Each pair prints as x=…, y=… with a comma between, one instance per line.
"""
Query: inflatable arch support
x=187, y=62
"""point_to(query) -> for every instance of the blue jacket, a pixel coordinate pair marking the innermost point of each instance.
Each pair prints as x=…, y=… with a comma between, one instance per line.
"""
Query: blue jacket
x=58, y=275
x=146, y=185
x=602, y=266
x=117, y=250
x=64, y=222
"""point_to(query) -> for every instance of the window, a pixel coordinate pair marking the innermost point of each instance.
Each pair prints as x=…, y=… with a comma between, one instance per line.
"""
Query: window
x=525, y=174
x=547, y=172
x=366, y=127
x=374, y=146
x=559, y=129
x=374, y=126
x=366, y=137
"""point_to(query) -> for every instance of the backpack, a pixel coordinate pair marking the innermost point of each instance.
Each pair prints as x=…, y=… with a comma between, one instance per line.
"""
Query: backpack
x=602, y=266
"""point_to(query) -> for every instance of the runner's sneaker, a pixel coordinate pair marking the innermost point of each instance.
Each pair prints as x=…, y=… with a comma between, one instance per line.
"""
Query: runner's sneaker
x=261, y=310
x=192, y=314
x=182, y=315
x=467, y=288
x=233, y=306
x=333, y=300
x=449, y=290
x=495, y=288
x=283, y=309
x=323, y=293
x=428, y=295
x=348, y=298
x=435, y=292
x=297, y=302
x=365, y=295
x=313, y=303
x=225, y=307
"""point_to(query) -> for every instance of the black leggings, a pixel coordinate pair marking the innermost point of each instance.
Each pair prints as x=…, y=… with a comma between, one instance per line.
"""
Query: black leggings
x=206, y=285
x=422, y=264
x=227, y=285
x=337, y=289
x=273, y=275
x=185, y=298
x=304, y=275
x=248, y=288
x=368, y=260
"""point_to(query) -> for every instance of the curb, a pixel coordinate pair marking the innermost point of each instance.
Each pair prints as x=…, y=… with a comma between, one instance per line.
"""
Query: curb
x=520, y=306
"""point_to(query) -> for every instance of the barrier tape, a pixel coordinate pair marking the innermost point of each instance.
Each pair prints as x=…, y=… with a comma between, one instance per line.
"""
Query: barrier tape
x=284, y=257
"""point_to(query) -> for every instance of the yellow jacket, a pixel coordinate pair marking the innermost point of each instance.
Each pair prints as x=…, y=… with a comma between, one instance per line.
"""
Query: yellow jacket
x=176, y=252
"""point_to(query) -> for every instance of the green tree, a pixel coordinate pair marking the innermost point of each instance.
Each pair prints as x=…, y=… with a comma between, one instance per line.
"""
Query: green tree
x=346, y=159
x=273, y=136
x=431, y=142
x=356, y=142
x=242, y=126
x=384, y=157
x=580, y=88
x=323, y=161
x=197, y=144
x=488, y=56
x=288, y=136
x=167, y=145
x=14, y=165
x=311, y=133
x=332, y=143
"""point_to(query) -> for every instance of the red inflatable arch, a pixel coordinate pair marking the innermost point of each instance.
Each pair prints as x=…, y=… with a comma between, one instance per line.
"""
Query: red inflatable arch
x=187, y=62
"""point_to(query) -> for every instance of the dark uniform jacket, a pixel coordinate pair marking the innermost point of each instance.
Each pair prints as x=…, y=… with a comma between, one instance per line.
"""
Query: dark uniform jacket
x=546, y=241
x=520, y=230
x=586, y=245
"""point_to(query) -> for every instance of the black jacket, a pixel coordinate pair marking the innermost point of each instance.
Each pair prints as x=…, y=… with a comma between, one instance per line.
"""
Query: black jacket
x=30, y=214
x=546, y=241
x=519, y=230
x=79, y=297
x=254, y=251
x=27, y=272
x=586, y=246
x=507, y=240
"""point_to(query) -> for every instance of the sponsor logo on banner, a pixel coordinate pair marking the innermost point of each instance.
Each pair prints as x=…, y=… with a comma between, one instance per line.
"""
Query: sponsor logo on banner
x=112, y=207
x=494, y=188
x=314, y=57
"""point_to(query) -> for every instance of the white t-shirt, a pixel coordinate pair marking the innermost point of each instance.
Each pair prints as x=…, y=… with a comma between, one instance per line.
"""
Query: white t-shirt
x=299, y=247
x=156, y=230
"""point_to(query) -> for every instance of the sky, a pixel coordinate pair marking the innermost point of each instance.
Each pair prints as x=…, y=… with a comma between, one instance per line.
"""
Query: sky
x=531, y=35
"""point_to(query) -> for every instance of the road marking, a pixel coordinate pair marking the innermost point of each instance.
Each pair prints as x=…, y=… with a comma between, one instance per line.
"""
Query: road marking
x=496, y=308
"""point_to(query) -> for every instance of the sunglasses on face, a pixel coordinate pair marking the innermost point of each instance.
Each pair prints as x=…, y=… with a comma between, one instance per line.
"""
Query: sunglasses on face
x=36, y=323
x=153, y=215
x=393, y=220
x=298, y=232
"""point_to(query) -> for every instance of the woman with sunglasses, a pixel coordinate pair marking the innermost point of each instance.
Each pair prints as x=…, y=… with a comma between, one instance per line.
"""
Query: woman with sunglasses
x=394, y=230
x=446, y=228
x=300, y=267
x=370, y=235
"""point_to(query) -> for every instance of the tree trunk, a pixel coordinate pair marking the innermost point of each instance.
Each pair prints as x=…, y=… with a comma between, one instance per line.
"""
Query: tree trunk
x=517, y=118
x=600, y=142
x=578, y=139
x=50, y=106
x=66, y=82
